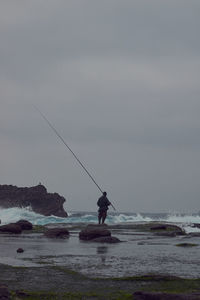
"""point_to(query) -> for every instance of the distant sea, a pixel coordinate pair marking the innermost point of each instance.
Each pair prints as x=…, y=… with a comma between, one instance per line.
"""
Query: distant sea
x=185, y=221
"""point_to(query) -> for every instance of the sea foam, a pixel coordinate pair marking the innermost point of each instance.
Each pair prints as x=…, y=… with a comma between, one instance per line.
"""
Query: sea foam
x=185, y=221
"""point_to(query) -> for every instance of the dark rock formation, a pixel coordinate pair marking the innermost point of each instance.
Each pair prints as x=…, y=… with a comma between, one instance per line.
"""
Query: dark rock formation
x=167, y=230
x=16, y=227
x=4, y=293
x=57, y=233
x=97, y=233
x=164, y=296
x=186, y=245
x=20, y=250
x=24, y=224
x=94, y=231
x=10, y=228
x=36, y=197
x=159, y=227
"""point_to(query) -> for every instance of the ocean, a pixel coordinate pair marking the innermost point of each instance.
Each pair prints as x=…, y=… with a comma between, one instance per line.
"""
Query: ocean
x=185, y=221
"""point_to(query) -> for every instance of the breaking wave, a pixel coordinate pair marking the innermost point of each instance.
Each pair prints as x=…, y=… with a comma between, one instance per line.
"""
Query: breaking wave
x=186, y=221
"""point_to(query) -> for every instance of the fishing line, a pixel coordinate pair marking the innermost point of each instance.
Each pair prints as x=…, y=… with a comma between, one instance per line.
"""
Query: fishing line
x=75, y=156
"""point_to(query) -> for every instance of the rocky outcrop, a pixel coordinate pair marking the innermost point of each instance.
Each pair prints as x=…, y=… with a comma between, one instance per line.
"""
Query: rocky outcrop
x=25, y=225
x=11, y=228
x=169, y=230
x=35, y=197
x=94, y=231
x=97, y=233
x=17, y=227
x=57, y=233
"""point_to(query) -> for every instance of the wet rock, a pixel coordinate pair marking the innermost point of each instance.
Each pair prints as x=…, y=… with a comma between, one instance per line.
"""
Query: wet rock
x=25, y=225
x=160, y=227
x=35, y=197
x=21, y=294
x=94, y=231
x=4, y=293
x=20, y=250
x=11, y=228
x=194, y=234
x=168, y=230
x=57, y=233
x=164, y=296
x=106, y=239
x=196, y=225
x=186, y=245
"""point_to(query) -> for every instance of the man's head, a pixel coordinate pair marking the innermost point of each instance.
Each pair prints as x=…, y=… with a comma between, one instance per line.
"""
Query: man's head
x=104, y=193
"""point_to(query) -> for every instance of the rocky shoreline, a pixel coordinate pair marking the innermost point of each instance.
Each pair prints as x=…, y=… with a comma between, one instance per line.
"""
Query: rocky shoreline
x=79, y=261
x=62, y=283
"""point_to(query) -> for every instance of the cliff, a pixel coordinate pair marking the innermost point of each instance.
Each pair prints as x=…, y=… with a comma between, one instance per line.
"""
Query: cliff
x=36, y=197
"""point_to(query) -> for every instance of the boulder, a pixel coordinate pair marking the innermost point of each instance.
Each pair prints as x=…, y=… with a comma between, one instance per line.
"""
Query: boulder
x=164, y=296
x=11, y=228
x=24, y=224
x=57, y=233
x=94, y=231
x=35, y=197
x=106, y=239
x=20, y=250
x=4, y=293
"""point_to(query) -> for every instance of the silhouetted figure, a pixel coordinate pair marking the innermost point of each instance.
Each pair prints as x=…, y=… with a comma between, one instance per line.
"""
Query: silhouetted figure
x=103, y=204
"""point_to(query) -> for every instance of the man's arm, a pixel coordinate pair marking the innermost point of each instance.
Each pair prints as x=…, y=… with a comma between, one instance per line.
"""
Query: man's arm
x=108, y=202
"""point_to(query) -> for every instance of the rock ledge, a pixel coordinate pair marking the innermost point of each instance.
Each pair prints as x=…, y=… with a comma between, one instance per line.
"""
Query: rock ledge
x=35, y=197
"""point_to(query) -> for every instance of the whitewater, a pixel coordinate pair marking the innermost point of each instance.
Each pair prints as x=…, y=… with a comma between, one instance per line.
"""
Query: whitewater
x=185, y=221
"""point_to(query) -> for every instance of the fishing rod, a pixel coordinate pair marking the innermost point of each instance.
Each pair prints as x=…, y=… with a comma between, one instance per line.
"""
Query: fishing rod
x=75, y=156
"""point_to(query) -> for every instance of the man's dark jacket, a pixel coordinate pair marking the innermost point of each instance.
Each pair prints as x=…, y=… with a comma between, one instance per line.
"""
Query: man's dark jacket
x=103, y=203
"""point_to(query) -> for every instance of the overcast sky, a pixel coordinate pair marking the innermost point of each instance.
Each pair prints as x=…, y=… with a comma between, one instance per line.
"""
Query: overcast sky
x=119, y=79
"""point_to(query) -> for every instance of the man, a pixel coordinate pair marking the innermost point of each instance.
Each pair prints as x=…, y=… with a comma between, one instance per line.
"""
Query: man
x=103, y=204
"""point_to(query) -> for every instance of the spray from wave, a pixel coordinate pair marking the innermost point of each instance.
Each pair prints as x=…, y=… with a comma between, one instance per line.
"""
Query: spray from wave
x=185, y=221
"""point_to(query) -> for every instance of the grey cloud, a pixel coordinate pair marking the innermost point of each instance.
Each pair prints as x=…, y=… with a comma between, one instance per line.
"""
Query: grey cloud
x=120, y=82
x=42, y=35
